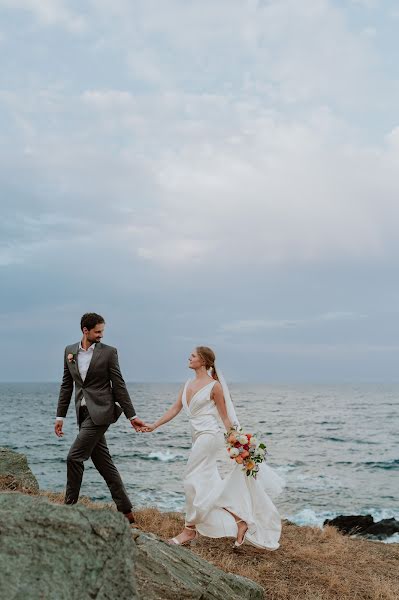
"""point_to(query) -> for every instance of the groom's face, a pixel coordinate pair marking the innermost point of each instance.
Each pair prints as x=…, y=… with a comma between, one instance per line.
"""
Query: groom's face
x=94, y=335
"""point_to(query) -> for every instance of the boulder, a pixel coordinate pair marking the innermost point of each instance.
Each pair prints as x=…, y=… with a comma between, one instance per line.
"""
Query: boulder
x=382, y=529
x=166, y=572
x=365, y=526
x=57, y=552
x=15, y=473
x=350, y=524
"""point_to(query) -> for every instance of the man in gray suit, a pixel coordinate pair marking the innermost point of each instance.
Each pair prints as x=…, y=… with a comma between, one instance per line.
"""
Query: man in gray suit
x=94, y=369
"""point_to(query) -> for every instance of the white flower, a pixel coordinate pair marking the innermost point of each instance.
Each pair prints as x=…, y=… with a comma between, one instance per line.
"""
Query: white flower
x=253, y=442
x=260, y=452
x=243, y=439
x=234, y=452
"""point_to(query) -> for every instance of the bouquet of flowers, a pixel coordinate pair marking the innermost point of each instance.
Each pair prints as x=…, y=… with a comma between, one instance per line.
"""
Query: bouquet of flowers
x=245, y=449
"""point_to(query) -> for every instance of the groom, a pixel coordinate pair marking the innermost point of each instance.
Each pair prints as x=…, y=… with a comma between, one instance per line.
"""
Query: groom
x=94, y=369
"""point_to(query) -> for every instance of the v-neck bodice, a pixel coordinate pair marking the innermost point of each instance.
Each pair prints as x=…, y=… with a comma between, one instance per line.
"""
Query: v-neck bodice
x=201, y=410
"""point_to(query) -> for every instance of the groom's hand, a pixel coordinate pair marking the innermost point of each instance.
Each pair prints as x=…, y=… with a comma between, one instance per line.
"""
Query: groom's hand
x=58, y=428
x=138, y=424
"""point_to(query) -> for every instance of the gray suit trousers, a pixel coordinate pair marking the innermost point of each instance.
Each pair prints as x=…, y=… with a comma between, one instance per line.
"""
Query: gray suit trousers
x=90, y=443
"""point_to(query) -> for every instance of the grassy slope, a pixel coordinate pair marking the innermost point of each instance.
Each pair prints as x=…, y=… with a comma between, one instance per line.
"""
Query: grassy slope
x=310, y=564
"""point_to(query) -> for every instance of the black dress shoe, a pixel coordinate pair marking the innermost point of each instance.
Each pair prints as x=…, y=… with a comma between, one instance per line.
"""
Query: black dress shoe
x=129, y=516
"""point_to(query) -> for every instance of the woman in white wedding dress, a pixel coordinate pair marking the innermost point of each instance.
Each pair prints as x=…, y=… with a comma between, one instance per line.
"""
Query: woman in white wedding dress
x=236, y=506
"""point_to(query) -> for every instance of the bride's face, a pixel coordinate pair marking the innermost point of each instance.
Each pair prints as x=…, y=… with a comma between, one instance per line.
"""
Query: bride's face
x=195, y=361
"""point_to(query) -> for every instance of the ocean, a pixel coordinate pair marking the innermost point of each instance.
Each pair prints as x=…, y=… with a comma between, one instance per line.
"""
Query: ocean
x=335, y=445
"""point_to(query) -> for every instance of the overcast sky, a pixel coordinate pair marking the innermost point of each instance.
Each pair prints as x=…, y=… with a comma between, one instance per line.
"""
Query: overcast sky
x=220, y=172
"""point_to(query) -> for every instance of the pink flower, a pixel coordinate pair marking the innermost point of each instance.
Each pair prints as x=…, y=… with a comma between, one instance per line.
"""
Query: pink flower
x=70, y=358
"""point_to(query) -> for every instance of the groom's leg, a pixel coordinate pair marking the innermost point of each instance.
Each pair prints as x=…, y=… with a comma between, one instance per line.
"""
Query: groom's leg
x=81, y=450
x=104, y=464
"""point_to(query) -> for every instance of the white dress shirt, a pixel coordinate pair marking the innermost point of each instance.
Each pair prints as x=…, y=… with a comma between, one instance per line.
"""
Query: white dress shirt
x=84, y=359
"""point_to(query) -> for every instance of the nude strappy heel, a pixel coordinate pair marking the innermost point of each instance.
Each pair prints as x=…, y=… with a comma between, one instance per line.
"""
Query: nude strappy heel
x=238, y=544
x=187, y=542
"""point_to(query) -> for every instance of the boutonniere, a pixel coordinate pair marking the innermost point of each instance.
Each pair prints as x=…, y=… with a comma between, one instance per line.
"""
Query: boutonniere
x=71, y=358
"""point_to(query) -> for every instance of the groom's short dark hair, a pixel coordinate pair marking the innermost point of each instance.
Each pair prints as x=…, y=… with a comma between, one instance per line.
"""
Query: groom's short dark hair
x=90, y=320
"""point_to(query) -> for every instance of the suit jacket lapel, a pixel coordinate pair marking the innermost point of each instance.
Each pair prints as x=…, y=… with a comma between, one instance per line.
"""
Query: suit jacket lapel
x=94, y=358
x=75, y=364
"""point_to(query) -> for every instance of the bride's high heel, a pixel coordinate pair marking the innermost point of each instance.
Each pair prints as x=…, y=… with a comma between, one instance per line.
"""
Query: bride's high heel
x=236, y=543
x=187, y=542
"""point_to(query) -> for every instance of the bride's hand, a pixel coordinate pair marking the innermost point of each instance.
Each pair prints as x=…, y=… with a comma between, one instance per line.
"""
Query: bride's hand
x=148, y=428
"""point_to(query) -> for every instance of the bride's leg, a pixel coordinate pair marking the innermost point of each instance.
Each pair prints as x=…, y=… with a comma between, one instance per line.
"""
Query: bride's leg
x=187, y=535
x=242, y=526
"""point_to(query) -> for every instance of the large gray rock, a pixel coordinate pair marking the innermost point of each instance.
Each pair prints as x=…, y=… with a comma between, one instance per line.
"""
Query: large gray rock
x=56, y=552
x=15, y=473
x=167, y=572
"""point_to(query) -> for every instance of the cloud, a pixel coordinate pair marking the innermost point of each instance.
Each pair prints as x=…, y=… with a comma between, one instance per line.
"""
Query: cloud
x=228, y=139
x=207, y=178
x=253, y=325
x=325, y=350
x=367, y=3
x=284, y=189
x=49, y=13
x=266, y=49
x=231, y=162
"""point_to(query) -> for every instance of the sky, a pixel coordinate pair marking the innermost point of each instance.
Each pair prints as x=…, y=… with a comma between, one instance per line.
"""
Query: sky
x=222, y=172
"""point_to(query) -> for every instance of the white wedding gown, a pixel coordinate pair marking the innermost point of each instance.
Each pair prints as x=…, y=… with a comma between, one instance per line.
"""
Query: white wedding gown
x=207, y=494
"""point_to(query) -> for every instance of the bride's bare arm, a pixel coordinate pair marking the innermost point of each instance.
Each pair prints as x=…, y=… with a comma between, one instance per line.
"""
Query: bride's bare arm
x=168, y=415
x=218, y=398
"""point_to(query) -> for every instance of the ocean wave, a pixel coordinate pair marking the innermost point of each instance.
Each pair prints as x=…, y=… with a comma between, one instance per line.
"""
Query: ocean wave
x=284, y=469
x=163, y=456
x=387, y=465
x=288, y=467
x=170, y=502
x=309, y=517
x=316, y=482
x=394, y=539
x=380, y=513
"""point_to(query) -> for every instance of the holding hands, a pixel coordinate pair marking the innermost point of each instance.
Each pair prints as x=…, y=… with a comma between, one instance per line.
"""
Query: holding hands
x=138, y=424
x=149, y=428
x=142, y=427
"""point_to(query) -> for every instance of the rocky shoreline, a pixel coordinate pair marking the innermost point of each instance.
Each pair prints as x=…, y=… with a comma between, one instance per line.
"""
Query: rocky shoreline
x=50, y=551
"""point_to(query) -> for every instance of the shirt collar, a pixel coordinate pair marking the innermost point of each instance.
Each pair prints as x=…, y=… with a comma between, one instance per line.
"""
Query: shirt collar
x=91, y=349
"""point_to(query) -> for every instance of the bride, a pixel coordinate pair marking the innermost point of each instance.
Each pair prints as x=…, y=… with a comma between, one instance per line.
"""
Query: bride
x=236, y=506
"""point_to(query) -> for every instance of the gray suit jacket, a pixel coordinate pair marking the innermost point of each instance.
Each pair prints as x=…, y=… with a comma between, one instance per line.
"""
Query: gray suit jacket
x=102, y=387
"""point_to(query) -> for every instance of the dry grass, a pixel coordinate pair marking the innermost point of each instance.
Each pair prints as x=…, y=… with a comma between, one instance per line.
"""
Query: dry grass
x=310, y=564
x=10, y=483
